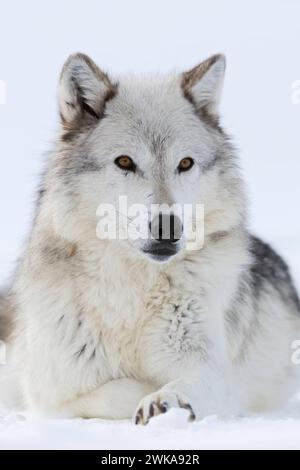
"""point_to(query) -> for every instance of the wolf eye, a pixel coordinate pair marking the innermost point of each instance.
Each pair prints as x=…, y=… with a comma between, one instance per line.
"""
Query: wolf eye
x=125, y=163
x=185, y=164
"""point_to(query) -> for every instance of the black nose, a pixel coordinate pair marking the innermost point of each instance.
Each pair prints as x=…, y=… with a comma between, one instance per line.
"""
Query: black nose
x=166, y=228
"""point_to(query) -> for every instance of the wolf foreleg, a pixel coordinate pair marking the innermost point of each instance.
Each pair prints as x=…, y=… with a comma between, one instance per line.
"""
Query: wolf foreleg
x=116, y=399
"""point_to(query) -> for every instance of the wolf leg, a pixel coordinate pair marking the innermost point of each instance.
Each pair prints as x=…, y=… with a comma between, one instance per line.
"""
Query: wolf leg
x=201, y=394
x=116, y=399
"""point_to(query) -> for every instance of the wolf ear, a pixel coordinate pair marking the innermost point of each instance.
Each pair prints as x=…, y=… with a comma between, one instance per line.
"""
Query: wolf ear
x=83, y=90
x=203, y=84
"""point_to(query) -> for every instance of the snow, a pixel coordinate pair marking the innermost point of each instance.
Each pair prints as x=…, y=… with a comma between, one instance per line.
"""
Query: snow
x=169, y=431
x=261, y=41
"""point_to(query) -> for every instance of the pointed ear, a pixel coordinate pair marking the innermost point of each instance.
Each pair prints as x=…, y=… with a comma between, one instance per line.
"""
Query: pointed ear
x=203, y=84
x=83, y=90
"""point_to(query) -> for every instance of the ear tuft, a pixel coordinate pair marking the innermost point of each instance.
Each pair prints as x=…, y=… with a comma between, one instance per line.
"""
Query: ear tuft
x=83, y=90
x=203, y=84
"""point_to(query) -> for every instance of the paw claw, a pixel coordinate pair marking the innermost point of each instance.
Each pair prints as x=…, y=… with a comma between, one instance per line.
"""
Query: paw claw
x=164, y=407
x=188, y=407
x=160, y=402
x=151, y=410
x=139, y=416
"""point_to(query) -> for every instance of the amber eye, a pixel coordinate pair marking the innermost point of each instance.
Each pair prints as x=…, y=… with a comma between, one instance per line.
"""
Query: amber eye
x=185, y=164
x=125, y=163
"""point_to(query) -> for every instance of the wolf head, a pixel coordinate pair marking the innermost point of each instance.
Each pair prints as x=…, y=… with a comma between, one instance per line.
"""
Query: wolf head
x=154, y=144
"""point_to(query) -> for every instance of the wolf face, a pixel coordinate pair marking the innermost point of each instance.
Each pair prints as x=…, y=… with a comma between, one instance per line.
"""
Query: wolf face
x=155, y=142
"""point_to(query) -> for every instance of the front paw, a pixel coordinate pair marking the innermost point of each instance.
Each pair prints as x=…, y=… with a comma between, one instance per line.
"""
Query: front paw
x=160, y=402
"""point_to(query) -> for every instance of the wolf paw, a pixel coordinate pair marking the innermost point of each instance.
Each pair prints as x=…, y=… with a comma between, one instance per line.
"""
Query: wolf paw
x=158, y=403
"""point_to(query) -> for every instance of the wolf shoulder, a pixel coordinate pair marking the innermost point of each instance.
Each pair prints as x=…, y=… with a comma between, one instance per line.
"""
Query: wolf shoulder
x=270, y=273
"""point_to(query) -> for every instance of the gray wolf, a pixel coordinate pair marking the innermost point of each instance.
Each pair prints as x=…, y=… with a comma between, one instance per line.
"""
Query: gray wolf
x=116, y=328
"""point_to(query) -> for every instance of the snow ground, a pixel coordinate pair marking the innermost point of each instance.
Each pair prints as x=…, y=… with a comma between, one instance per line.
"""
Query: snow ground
x=261, y=40
x=169, y=431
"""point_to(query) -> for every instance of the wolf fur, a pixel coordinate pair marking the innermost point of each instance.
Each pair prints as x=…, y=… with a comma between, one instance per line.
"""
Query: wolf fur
x=103, y=330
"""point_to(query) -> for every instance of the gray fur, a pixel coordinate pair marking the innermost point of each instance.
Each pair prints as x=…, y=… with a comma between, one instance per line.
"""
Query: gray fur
x=6, y=319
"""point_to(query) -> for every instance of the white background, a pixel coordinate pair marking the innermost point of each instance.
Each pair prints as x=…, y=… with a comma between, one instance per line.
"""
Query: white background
x=261, y=39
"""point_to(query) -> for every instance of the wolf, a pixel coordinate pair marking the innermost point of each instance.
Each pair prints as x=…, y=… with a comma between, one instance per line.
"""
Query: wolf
x=118, y=328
